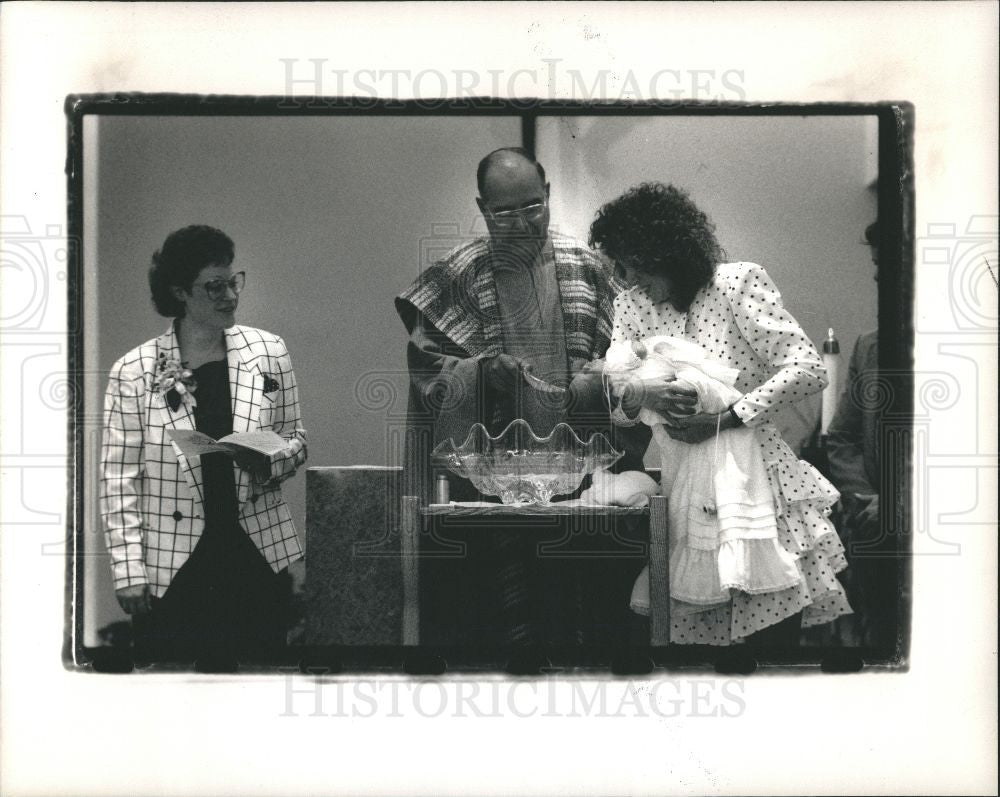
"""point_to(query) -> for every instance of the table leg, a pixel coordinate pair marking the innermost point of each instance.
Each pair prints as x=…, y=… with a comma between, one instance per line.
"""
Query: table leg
x=659, y=573
x=409, y=547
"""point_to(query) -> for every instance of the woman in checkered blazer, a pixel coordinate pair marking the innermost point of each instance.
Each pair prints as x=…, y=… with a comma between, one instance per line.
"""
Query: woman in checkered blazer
x=197, y=544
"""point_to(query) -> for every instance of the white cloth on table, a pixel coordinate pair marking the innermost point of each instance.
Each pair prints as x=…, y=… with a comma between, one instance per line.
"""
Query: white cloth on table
x=631, y=488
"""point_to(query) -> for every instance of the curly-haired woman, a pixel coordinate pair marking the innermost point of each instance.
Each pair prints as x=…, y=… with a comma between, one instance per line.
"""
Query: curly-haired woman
x=665, y=248
x=197, y=544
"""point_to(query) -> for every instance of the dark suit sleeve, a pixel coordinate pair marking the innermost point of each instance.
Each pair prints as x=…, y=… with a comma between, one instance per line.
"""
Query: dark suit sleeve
x=845, y=437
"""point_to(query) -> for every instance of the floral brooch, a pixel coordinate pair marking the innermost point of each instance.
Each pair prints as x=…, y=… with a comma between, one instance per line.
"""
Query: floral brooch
x=175, y=382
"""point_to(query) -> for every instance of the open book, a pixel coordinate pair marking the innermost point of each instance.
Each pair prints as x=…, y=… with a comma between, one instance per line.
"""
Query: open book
x=193, y=443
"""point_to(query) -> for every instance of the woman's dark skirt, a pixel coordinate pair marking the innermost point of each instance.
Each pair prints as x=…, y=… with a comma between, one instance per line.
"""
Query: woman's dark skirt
x=224, y=607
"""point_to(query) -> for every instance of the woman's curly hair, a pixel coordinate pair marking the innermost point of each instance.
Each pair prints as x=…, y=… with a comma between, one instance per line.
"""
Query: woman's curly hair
x=657, y=229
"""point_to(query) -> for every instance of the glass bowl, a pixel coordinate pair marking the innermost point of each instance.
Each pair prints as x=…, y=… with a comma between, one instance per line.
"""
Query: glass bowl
x=520, y=467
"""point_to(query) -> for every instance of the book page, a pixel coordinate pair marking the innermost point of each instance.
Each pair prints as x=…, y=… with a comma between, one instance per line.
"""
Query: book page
x=193, y=443
x=263, y=442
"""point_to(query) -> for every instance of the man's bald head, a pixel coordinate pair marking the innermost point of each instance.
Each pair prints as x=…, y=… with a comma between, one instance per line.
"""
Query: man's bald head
x=513, y=197
x=506, y=161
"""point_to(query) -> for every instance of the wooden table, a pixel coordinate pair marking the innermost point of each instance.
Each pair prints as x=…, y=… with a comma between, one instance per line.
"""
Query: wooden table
x=418, y=521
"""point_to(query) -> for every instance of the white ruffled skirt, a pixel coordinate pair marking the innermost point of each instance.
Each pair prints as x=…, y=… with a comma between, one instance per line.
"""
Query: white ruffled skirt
x=726, y=586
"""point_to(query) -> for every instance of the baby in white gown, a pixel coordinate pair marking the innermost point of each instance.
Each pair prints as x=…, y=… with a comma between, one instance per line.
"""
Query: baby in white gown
x=723, y=530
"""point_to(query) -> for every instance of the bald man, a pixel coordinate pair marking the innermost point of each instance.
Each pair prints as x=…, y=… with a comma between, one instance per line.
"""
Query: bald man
x=519, y=301
x=485, y=323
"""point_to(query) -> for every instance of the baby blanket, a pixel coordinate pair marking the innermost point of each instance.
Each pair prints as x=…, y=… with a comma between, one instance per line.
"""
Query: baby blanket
x=723, y=529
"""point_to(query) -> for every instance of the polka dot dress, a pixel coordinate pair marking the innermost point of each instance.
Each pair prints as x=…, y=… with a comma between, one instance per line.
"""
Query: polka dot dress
x=739, y=320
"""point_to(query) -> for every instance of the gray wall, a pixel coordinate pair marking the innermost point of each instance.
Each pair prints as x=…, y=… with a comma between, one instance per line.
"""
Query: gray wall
x=334, y=216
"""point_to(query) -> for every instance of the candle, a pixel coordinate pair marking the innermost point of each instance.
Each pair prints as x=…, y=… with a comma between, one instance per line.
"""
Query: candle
x=831, y=361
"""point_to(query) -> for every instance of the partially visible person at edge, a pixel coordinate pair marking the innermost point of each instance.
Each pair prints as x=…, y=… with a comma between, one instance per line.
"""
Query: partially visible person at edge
x=852, y=446
x=666, y=250
x=196, y=545
x=521, y=299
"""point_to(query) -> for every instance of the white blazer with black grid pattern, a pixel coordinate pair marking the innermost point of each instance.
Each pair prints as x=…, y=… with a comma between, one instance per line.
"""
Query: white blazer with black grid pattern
x=151, y=494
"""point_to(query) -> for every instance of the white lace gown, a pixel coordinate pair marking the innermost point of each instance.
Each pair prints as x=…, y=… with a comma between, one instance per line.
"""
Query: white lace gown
x=738, y=319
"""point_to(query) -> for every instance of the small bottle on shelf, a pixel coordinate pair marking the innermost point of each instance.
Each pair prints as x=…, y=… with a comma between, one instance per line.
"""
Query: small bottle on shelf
x=442, y=491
